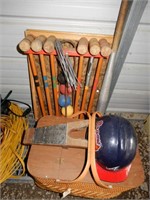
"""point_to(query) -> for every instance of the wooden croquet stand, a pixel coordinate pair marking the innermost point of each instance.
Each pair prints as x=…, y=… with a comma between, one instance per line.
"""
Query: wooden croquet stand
x=44, y=68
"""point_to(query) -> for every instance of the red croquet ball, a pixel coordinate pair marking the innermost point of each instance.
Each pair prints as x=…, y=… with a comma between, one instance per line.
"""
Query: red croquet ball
x=65, y=89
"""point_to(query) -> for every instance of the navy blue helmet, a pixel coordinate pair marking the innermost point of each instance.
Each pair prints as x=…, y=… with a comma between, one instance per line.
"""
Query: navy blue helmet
x=116, y=142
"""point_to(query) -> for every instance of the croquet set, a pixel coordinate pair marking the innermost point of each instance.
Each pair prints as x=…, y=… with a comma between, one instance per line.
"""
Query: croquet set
x=74, y=149
x=66, y=70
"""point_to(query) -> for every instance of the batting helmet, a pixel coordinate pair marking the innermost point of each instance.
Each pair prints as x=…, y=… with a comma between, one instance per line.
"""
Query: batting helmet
x=116, y=142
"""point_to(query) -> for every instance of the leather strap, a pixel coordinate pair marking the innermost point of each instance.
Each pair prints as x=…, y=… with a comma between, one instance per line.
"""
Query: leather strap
x=93, y=160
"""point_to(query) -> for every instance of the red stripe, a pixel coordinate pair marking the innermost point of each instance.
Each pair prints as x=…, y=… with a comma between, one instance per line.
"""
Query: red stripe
x=69, y=52
x=95, y=84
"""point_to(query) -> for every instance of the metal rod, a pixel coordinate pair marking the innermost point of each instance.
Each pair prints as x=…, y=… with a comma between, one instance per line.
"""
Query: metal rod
x=78, y=88
x=95, y=83
x=134, y=12
x=130, y=28
x=86, y=87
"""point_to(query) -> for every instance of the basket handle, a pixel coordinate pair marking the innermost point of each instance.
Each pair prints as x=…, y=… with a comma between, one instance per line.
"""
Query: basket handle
x=92, y=152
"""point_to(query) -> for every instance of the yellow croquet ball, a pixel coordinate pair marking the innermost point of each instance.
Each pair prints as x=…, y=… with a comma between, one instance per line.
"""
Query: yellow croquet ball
x=67, y=111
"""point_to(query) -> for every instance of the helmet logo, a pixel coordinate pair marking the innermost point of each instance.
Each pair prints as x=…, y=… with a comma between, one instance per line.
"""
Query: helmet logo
x=113, y=168
x=98, y=142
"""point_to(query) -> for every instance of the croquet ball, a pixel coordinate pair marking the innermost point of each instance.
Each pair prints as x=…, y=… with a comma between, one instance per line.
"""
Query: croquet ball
x=67, y=111
x=61, y=78
x=116, y=142
x=65, y=89
x=64, y=100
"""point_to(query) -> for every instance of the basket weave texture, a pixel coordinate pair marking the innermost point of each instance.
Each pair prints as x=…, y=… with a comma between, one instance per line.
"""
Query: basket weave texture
x=81, y=189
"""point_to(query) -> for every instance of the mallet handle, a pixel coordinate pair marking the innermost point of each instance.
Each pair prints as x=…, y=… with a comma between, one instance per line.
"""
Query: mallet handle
x=54, y=81
x=78, y=88
x=37, y=84
x=89, y=70
x=84, y=98
x=45, y=80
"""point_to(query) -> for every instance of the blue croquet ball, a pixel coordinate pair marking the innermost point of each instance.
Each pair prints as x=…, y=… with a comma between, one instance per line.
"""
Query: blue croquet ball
x=64, y=100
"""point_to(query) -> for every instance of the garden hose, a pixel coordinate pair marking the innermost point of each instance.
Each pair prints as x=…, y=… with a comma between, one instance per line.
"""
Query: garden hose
x=12, y=151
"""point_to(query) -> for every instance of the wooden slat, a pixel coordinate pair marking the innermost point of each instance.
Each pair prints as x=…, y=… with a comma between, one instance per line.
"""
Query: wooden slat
x=67, y=35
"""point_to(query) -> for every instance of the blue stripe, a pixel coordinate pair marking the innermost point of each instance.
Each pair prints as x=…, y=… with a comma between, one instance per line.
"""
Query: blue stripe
x=45, y=78
x=45, y=84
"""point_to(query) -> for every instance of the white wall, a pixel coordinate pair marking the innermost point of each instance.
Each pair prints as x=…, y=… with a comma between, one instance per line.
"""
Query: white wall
x=98, y=16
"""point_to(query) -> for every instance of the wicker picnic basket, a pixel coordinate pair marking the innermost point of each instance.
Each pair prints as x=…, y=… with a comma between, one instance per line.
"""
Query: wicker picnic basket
x=72, y=170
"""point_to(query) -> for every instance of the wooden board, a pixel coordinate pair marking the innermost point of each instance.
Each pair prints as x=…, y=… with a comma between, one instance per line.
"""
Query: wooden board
x=67, y=35
x=67, y=164
x=60, y=131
